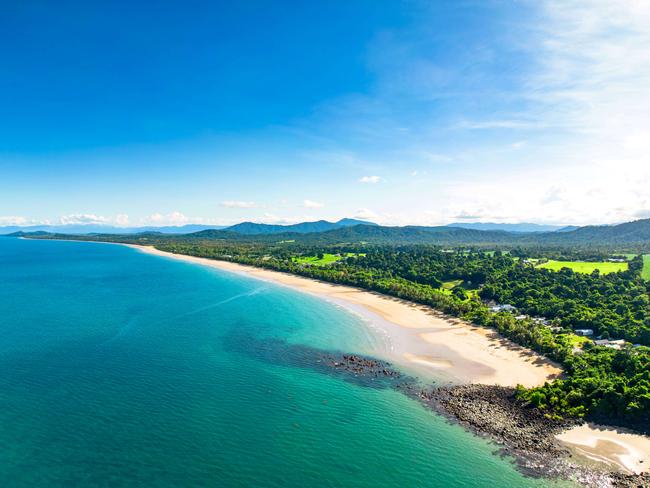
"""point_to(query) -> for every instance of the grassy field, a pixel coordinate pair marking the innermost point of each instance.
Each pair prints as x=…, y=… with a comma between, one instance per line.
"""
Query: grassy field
x=325, y=260
x=605, y=267
x=645, y=272
x=448, y=285
x=576, y=340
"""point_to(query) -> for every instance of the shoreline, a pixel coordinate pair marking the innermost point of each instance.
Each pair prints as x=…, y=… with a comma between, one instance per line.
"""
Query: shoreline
x=470, y=357
x=446, y=348
x=618, y=448
x=419, y=338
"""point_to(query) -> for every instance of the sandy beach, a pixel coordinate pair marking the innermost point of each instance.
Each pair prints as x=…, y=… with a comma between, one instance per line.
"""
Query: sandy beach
x=429, y=342
x=450, y=349
x=618, y=448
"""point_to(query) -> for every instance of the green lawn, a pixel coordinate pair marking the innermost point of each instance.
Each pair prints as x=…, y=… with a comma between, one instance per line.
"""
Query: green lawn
x=325, y=260
x=448, y=285
x=645, y=272
x=576, y=340
x=605, y=267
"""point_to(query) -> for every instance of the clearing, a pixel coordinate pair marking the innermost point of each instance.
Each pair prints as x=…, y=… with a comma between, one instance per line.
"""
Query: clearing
x=605, y=267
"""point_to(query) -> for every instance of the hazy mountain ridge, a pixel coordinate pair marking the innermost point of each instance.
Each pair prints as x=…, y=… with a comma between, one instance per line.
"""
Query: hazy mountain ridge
x=523, y=227
x=630, y=233
x=105, y=229
x=251, y=228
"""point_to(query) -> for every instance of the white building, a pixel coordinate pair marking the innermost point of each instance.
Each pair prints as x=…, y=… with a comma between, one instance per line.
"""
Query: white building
x=584, y=332
x=502, y=308
x=616, y=344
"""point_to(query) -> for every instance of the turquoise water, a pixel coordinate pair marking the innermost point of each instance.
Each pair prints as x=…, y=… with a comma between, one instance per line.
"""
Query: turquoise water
x=119, y=368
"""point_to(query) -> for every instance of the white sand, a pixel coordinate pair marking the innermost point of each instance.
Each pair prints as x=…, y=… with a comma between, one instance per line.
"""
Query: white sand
x=618, y=448
x=446, y=348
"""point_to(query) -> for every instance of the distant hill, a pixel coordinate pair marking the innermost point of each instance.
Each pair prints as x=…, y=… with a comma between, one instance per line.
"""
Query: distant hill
x=521, y=227
x=568, y=228
x=632, y=235
x=412, y=235
x=105, y=229
x=251, y=228
x=636, y=232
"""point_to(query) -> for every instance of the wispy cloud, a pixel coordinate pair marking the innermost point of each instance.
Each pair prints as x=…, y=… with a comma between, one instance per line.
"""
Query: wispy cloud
x=173, y=218
x=369, y=179
x=312, y=204
x=16, y=220
x=365, y=214
x=499, y=124
x=84, y=219
x=238, y=204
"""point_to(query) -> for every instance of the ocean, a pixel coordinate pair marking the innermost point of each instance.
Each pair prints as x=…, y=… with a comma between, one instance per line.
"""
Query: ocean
x=119, y=368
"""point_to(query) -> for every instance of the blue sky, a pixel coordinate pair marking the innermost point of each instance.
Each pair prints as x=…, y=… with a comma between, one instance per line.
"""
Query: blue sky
x=403, y=112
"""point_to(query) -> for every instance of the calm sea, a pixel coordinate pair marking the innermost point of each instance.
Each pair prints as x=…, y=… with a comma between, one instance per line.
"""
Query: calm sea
x=119, y=368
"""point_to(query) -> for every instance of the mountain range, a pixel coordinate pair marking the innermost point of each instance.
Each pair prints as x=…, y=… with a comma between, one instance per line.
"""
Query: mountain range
x=251, y=228
x=521, y=227
x=105, y=229
x=635, y=234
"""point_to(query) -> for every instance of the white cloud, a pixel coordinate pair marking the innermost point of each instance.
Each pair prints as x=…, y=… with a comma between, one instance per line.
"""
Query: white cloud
x=312, y=204
x=499, y=124
x=13, y=220
x=470, y=215
x=518, y=144
x=84, y=219
x=238, y=204
x=365, y=214
x=369, y=179
x=586, y=107
x=122, y=219
x=271, y=218
x=174, y=218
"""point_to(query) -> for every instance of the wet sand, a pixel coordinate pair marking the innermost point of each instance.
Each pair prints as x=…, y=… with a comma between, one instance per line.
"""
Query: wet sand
x=618, y=448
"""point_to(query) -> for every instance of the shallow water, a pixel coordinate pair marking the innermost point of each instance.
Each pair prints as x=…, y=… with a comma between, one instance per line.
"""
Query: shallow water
x=119, y=368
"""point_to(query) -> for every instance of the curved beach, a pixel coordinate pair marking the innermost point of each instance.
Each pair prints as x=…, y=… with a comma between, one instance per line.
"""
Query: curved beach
x=452, y=350
x=417, y=336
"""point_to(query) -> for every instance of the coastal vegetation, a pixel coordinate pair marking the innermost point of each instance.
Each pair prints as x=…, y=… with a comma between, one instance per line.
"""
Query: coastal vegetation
x=322, y=259
x=645, y=272
x=600, y=383
x=568, y=314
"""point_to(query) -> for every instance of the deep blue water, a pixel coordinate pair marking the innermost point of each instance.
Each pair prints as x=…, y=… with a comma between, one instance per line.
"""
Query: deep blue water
x=119, y=368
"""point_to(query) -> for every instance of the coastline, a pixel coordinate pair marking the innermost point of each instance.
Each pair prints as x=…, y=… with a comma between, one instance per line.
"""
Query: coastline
x=620, y=449
x=468, y=356
x=441, y=347
x=449, y=349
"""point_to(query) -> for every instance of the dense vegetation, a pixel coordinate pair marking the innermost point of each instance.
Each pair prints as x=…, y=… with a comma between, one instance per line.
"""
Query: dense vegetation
x=600, y=383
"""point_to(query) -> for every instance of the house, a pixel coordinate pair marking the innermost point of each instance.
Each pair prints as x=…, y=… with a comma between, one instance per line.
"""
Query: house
x=584, y=332
x=502, y=308
x=521, y=317
x=616, y=344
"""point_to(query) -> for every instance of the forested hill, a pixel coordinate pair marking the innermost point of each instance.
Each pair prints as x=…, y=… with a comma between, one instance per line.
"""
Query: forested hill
x=251, y=228
x=636, y=232
x=633, y=235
